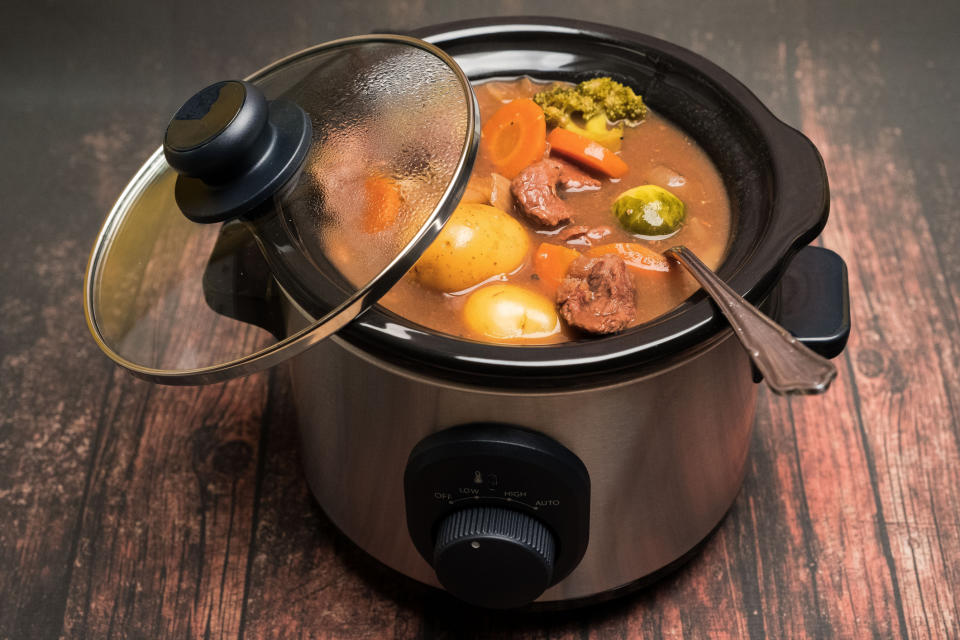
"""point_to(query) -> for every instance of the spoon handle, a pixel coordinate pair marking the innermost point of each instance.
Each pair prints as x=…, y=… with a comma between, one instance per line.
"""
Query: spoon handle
x=787, y=365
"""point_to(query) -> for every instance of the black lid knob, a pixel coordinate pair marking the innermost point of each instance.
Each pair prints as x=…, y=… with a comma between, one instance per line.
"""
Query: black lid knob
x=233, y=149
x=494, y=557
x=218, y=131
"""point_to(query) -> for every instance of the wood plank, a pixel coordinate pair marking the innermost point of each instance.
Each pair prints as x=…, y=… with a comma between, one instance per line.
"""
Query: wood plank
x=55, y=385
x=164, y=540
x=901, y=312
x=48, y=428
x=846, y=566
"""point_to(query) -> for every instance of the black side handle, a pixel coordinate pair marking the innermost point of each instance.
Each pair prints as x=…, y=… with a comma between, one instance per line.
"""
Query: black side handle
x=815, y=301
x=237, y=282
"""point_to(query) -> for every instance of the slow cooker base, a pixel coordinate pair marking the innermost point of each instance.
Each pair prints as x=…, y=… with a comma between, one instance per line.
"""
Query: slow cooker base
x=379, y=575
x=662, y=468
x=628, y=589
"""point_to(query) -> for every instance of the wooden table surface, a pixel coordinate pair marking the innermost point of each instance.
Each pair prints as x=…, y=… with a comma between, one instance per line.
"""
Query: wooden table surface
x=131, y=510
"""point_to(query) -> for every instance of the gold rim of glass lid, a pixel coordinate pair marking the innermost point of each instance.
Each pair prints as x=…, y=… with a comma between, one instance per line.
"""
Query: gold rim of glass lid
x=395, y=132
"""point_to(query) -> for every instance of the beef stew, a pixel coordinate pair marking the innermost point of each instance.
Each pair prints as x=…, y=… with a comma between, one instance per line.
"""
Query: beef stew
x=577, y=247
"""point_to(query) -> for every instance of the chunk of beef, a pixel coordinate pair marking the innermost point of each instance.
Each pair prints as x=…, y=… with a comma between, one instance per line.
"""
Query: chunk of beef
x=574, y=234
x=535, y=189
x=597, y=296
x=582, y=235
x=573, y=179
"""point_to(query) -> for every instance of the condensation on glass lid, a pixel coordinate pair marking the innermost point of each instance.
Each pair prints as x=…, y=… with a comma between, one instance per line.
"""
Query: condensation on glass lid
x=384, y=153
x=393, y=133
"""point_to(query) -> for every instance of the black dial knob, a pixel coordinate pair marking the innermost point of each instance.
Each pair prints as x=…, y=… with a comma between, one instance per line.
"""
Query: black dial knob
x=494, y=557
x=233, y=149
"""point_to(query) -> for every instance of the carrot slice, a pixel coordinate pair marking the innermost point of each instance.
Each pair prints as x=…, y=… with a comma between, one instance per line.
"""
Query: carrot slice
x=638, y=258
x=551, y=263
x=383, y=204
x=584, y=151
x=515, y=136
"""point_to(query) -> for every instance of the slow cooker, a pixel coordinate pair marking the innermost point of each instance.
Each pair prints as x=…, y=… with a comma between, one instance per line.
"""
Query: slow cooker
x=508, y=475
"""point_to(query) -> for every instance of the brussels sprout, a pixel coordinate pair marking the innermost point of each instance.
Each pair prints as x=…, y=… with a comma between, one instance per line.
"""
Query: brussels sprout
x=649, y=210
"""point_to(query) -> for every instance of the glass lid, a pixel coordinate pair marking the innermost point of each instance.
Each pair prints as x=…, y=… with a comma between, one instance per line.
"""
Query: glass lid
x=317, y=182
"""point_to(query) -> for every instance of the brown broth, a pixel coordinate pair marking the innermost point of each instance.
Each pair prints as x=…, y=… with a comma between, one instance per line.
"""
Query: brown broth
x=657, y=152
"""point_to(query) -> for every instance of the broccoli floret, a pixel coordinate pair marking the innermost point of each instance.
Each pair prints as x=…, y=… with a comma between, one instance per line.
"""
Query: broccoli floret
x=616, y=101
x=560, y=103
x=590, y=98
x=598, y=102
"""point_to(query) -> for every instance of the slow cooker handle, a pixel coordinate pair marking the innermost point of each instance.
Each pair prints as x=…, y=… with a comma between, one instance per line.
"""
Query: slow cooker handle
x=238, y=283
x=815, y=301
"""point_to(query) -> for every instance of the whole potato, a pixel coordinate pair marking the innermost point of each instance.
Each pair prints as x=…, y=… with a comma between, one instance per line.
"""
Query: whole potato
x=478, y=242
x=507, y=311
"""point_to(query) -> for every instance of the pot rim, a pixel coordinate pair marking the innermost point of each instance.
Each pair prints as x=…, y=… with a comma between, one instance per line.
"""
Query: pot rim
x=799, y=202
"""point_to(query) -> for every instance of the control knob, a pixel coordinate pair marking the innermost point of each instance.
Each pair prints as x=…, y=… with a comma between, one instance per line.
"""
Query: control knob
x=494, y=557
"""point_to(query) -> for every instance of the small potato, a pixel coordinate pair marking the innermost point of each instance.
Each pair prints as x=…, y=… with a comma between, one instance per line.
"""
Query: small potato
x=507, y=311
x=477, y=243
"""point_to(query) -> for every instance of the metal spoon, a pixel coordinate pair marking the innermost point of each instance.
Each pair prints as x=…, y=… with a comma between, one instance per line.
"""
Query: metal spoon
x=788, y=366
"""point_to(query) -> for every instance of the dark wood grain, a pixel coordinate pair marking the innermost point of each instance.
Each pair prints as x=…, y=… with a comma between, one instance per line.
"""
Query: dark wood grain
x=134, y=511
x=901, y=373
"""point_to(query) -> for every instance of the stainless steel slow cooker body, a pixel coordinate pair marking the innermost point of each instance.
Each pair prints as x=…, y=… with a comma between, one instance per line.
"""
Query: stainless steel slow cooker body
x=558, y=473
x=660, y=416
x=663, y=467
